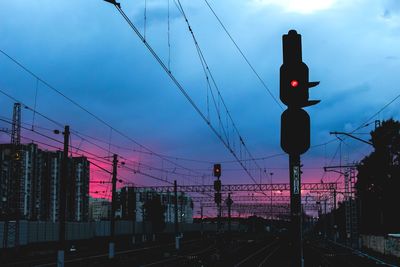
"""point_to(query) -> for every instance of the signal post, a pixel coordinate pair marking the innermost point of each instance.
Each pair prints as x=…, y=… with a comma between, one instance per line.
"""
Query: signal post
x=295, y=129
x=217, y=194
x=217, y=200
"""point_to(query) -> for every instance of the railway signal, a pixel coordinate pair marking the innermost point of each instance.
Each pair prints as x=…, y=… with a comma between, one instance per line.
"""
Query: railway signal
x=217, y=194
x=294, y=93
x=295, y=128
x=217, y=170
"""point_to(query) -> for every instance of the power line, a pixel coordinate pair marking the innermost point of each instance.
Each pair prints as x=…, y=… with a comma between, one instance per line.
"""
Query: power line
x=367, y=122
x=96, y=117
x=362, y=125
x=102, y=148
x=95, y=157
x=244, y=56
x=190, y=100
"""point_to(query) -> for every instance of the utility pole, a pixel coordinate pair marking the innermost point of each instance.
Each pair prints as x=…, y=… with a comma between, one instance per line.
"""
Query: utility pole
x=63, y=194
x=334, y=199
x=271, y=173
x=217, y=195
x=333, y=215
x=144, y=238
x=229, y=203
x=201, y=218
x=182, y=213
x=295, y=129
x=325, y=219
x=349, y=196
x=176, y=216
x=111, y=245
x=134, y=216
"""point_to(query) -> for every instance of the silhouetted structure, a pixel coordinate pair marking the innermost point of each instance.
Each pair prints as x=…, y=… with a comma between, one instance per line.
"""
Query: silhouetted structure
x=39, y=180
x=99, y=209
x=131, y=202
x=379, y=180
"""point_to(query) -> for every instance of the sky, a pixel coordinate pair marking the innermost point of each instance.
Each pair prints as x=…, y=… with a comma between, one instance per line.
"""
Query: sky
x=88, y=52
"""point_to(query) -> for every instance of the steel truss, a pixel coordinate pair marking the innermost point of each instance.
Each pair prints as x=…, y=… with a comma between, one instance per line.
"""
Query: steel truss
x=265, y=207
x=237, y=188
x=244, y=198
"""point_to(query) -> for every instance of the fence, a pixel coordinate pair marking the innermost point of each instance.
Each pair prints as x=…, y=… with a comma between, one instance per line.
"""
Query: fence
x=385, y=245
x=36, y=231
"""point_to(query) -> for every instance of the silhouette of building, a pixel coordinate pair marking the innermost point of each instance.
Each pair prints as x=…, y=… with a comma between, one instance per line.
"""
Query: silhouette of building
x=78, y=190
x=127, y=201
x=39, y=182
x=99, y=209
x=130, y=205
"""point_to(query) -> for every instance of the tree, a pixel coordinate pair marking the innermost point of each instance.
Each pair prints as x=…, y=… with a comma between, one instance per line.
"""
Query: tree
x=378, y=183
x=154, y=212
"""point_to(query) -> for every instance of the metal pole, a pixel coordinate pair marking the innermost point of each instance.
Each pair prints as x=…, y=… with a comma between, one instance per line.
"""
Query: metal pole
x=271, y=204
x=229, y=213
x=333, y=215
x=325, y=220
x=334, y=199
x=219, y=212
x=111, y=245
x=143, y=223
x=63, y=195
x=134, y=216
x=201, y=217
x=295, y=210
x=176, y=216
x=181, y=215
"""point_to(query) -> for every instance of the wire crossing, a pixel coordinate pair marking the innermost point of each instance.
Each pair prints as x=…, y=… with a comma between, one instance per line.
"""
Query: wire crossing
x=226, y=130
x=243, y=55
x=141, y=148
x=133, y=166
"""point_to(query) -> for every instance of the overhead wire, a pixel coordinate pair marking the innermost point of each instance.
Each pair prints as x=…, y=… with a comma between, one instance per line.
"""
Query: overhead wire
x=95, y=157
x=96, y=117
x=364, y=124
x=40, y=142
x=353, y=130
x=102, y=148
x=367, y=122
x=182, y=89
x=243, y=55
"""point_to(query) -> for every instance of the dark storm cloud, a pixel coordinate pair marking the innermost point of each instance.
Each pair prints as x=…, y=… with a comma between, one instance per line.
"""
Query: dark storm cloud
x=86, y=50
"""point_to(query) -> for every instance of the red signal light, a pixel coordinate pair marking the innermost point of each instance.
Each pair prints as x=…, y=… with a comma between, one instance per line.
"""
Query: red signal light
x=294, y=83
x=217, y=170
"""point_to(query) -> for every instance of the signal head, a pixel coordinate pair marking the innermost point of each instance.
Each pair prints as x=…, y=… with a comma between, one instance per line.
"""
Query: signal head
x=294, y=74
x=217, y=170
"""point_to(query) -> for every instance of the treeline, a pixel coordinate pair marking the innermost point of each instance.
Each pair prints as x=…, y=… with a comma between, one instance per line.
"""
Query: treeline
x=377, y=188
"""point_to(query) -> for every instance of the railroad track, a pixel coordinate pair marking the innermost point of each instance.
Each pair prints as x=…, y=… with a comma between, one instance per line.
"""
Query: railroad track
x=193, y=258
x=261, y=256
x=328, y=254
x=137, y=257
x=258, y=254
x=327, y=257
x=92, y=258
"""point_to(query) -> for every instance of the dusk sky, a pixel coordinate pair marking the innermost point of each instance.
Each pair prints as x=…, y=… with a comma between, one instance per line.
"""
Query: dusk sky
x=86, y=50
